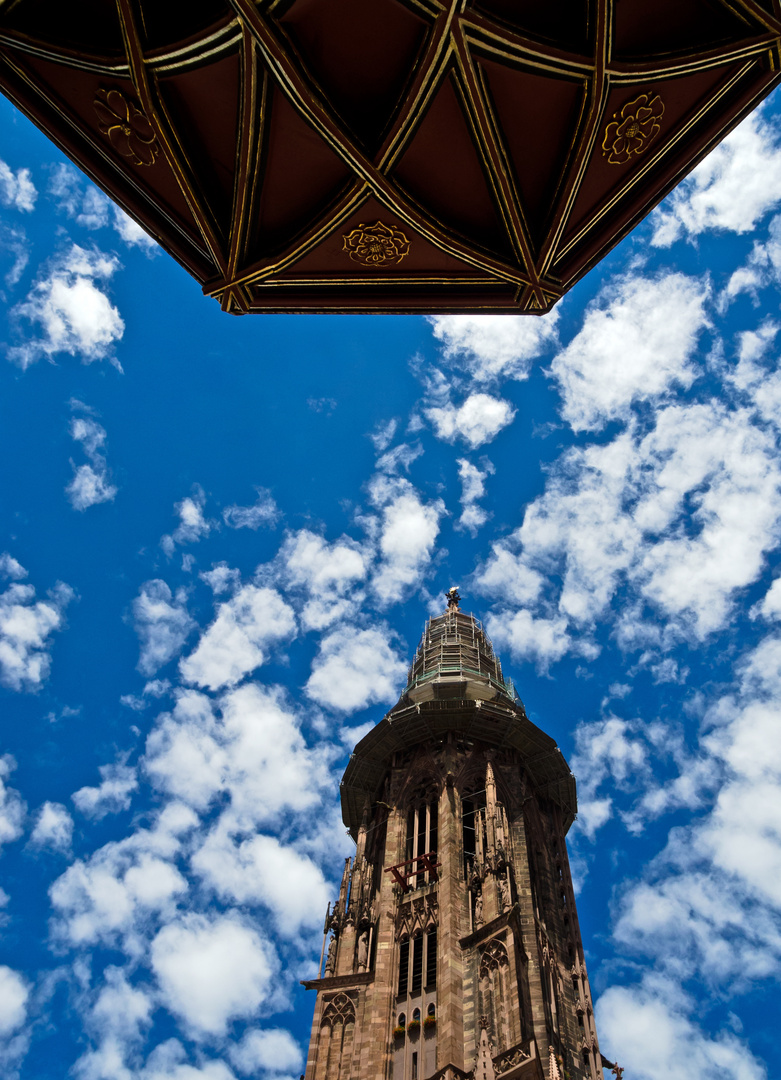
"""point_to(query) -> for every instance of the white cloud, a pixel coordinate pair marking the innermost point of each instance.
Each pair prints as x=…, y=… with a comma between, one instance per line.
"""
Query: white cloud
x=162, y=623
x=406, y=535
x=130, y=231
x=383, y=434
x=212, y=971
x=74, y=313
x=118, y=782
x=769, y=606
x=273, y=1050
x=17, y=188
x=735, y=186
x=89, y=487
x=730, y=464
x=11, y=568
x=323, y=574
x=604, y=748
x=258, y=869
x=168, y=1061
x=494, y=346
x=14, y=241
x=91, y=483
x=53, y=827
x=111, y=896
x=26, y=626
x=221, y=578
x=193, y=526
x=89, y=433
x=14, y=994
x=89, y=207
x=649, y=1030
x=80, y=200
x=709, y=904
x=477, y=421
x=237, y=641
x=399, y=459
x=356, y=668
x=116, y=1019
x=637, y=341
x=540, y=640
x=249, y=750
x=683, y=516
x=264, y=512
x=473, y=517
x=12, y=807
x=508, y=576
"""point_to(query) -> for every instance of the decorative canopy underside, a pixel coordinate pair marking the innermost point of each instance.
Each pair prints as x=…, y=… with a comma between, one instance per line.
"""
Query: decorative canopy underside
x=492, y=722
x=388, y=155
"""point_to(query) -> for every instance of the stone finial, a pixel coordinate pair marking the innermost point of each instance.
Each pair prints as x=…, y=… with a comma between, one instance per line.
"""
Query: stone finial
x=453, y=599
x=553, y=1065
x=484, y=1065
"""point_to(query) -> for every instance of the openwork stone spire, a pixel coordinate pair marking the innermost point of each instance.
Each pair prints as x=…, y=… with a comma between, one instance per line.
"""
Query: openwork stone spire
x=453, y=950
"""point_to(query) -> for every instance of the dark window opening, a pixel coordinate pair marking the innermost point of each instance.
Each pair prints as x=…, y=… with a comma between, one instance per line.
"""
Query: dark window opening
x=431, y=959
x=417, y=965
x=422, y=815
x=468, y=817
x=415, y=1066
x=410, y=834
x=403, y=967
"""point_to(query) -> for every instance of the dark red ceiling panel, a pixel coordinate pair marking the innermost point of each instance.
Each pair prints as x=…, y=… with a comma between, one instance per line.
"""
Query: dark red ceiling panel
x=362, y=55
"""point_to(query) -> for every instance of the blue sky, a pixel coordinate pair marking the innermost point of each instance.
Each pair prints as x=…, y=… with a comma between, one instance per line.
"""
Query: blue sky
x=219, y=541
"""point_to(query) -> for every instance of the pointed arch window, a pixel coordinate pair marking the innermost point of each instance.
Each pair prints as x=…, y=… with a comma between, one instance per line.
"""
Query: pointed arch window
x=422, y=826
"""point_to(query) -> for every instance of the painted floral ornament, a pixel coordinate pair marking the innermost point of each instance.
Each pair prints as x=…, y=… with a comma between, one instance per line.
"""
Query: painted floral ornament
x=126, y=127
x=376, y=245
x=628, y=135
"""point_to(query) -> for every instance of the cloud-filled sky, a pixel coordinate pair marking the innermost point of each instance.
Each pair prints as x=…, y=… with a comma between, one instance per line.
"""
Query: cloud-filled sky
x=220, y=539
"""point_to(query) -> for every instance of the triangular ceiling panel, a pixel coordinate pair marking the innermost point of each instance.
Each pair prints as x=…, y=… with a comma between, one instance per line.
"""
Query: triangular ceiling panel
x=618, y=157
x=97, y=31
x=441, y=170
x=362, y=53
x=205, y=114
x=566, y=22
x=163, y=25
x=675, y=25
x=357, y=247
x=300, y=175
x=538, y=117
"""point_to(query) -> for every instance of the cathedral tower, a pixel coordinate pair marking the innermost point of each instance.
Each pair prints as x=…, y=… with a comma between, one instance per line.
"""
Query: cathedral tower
x=454, y=946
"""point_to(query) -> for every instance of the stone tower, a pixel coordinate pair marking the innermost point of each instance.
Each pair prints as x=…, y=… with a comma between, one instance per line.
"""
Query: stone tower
x=454, y=946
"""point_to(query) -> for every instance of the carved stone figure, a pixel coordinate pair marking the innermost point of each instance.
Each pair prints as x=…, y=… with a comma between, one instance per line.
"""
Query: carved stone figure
x=330, y=962
x=504, y=891
x=479, y=909
x=363, y=950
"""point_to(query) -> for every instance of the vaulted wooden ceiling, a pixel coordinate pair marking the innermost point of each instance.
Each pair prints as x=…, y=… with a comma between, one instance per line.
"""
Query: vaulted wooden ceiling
x=388, y=155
